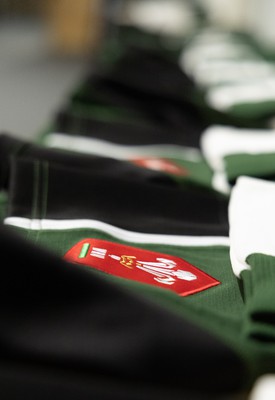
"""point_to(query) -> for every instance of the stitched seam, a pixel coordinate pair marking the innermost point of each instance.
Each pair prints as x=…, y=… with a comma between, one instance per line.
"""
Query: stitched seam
x=35, y=191
x=44, y=193
x=45, y=189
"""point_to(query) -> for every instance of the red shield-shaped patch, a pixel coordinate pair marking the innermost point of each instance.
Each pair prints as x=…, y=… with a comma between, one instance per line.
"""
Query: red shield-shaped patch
x=160, y=164
x=141, y=265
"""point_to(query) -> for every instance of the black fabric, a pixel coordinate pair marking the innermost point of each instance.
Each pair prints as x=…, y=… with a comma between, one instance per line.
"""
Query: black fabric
x=149, y=84
x=151, y=72
x=160, y=112
x=106, y=189
x=68, y=333
x=124, y=132
x=133, y=204
x=9, y=146
x=12, y=148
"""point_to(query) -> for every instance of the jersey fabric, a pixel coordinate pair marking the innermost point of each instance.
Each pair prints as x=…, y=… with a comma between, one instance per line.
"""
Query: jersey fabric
x=57, y=206
x=137, y=260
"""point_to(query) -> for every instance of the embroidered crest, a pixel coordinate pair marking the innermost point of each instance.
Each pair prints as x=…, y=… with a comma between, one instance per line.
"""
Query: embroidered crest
x=160, y=164
x=141, y=265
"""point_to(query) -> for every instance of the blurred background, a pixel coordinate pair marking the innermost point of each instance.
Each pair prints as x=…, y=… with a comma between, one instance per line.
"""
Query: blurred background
x=44, y=48
x=46, y=45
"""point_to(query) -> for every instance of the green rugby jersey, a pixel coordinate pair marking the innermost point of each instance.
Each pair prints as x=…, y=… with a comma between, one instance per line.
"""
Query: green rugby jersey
x=123, y=283
x=175, y=257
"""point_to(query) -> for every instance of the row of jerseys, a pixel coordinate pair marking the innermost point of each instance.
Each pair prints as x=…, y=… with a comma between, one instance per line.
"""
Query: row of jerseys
x=140, y=226
x=201, y=111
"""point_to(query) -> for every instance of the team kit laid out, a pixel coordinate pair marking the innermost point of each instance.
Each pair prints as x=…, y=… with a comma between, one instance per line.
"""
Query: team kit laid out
x=137, y=230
